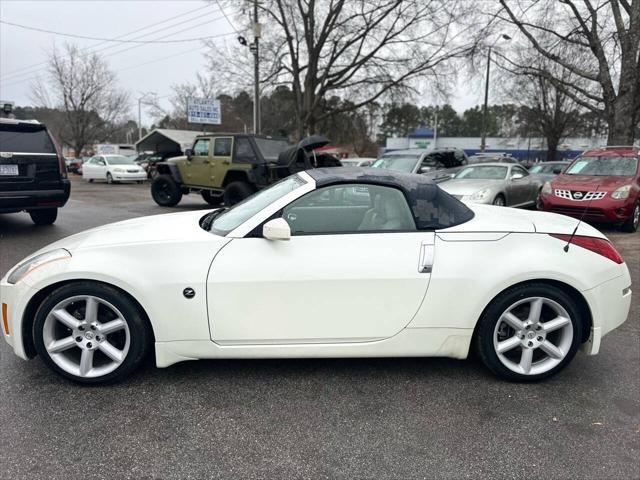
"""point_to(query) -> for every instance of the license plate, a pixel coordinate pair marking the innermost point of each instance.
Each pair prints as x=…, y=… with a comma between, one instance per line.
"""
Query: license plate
x=9, y=170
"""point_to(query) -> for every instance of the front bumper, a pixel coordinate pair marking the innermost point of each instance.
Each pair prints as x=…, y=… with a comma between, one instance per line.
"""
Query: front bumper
x=606, y=209
x=129, y=177
x=16, y=298
x=15, y=201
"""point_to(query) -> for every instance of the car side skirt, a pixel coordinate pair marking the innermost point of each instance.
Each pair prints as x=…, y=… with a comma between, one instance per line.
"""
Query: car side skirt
x=410, y=342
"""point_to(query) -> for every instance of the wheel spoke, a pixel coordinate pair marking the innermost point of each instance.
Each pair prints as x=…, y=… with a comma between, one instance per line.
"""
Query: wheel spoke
x=91, y=310
x=61, y=345
x=513, y=321
x=555, y=324
x=66, y=318
x=551, y=350
x=508, y=344
x=112, y=326
x=536, y=310
x=110, y=351
x=86, y=362
x=525, y=360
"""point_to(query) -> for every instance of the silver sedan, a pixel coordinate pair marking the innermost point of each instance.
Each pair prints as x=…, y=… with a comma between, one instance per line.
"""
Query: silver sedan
x=495, y=183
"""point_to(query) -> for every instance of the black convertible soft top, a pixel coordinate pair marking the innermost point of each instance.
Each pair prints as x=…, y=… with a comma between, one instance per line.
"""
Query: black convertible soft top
x=432, y=207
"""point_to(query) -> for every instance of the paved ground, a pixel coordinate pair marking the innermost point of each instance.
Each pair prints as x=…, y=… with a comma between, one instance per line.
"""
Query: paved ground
x=391, y=418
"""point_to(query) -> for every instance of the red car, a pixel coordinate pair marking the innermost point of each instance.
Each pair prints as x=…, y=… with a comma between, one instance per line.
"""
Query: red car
x=602, y=184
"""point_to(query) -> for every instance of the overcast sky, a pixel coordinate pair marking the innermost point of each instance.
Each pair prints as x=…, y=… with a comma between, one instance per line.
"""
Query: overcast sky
x=140, y=68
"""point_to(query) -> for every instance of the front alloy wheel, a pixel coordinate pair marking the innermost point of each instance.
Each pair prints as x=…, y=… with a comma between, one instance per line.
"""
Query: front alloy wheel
x=90, y=333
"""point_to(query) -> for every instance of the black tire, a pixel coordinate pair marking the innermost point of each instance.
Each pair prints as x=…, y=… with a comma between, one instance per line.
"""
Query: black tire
x=499, y=201
x=140, y=182
x=141, y=337
x=211, y=199
x=235, y=192
x=631, y=224
x=45, y=216
x=484, y=335
x=165, y=191
x=109, y=178
x=91, y=180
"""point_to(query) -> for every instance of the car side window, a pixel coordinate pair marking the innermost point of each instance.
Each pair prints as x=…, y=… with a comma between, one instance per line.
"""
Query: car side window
x=222, y=146
x=349, y=208
x=244, y=151
x=518, y=170
x=101, y=161
x=201, y=147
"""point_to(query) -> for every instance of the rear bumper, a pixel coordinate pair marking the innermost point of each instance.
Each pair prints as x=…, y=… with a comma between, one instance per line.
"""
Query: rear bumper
x=609, y=303
x=16, y=201
x=605, y=210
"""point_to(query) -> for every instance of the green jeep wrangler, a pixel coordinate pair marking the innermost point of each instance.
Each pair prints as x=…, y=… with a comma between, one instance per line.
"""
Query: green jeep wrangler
x=229, y=167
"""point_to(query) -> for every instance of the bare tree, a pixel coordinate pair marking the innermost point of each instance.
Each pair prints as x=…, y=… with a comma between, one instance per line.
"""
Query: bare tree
x=358, y=50
x=597, y=42
x=84, y=88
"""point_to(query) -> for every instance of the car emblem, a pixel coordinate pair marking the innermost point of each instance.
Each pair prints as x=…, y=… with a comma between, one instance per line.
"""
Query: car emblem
x=577, y=195
x=6, y=154
x=189, y=292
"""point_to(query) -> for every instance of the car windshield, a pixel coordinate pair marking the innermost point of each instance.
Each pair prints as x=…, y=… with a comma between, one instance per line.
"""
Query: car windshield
x=119, y=160
x=246, y=209
x=270, y=148
x=604, y=166
x=483, y=172
x=398, y=163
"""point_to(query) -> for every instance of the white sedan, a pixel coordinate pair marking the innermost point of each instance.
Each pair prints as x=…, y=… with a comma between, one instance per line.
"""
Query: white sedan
x=342, y=262
x=113, y=168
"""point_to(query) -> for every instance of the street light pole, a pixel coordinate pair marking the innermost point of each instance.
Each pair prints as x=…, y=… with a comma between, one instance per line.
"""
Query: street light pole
x=256, y=70
x=483, y=141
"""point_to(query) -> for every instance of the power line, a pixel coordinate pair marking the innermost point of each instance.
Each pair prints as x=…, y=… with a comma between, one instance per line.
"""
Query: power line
x=30, y=67
x=17, y=81
x=108, y=40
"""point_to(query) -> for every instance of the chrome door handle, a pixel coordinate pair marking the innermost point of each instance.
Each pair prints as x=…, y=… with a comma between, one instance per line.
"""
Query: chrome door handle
x=427, y=254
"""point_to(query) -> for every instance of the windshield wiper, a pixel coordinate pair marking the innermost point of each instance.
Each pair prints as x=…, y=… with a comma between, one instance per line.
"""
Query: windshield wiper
x=207, y=221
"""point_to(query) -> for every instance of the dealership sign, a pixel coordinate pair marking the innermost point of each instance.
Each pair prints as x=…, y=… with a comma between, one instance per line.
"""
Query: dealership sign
x=204, y=110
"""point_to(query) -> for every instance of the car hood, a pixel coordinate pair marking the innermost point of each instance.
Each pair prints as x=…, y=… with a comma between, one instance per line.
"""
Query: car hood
x=172, y=227
x=463, y=186
x=590, y=182
x=489, y=218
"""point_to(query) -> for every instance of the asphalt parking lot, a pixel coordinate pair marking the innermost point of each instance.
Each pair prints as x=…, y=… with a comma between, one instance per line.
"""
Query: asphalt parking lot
x=354, y=418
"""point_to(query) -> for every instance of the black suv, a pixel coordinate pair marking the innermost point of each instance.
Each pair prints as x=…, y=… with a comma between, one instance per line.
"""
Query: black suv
x=33, y=176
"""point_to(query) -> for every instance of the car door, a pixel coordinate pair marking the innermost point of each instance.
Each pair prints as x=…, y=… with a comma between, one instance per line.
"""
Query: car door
x=356, y=269
x=87, y=168
x=198, y=166
x=222, y=148
x=520, y=186
x=100, y=168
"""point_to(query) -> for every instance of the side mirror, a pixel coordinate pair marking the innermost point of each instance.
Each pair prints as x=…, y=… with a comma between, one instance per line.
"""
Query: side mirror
x=425, y=169
x=189, y=153
x=517, y=176
x=557, y=171
x=276, y=229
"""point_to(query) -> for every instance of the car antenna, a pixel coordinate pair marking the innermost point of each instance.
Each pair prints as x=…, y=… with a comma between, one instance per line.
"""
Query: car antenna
x=573, y=234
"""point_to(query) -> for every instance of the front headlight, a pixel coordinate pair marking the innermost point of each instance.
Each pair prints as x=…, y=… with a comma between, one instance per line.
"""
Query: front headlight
x=546, y=188
x=30, y=264
x=621, y=193
x=480, y=195
x=119, y=170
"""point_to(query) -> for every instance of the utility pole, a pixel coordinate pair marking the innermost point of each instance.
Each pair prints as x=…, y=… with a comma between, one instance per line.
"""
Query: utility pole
x=483, y=141
x=256, y=69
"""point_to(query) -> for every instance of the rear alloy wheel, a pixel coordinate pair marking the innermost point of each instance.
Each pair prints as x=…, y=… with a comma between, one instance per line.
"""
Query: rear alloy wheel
x=212, y=199
x=165, y=191
x=499, y=201
x=529, y=332
x=236, y=192
x=90, y=333
x=46, y=216
x=631, y=224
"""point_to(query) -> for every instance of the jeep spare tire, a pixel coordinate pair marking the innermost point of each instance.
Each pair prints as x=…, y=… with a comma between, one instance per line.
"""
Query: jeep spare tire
x=236, y=192
x=165, y=191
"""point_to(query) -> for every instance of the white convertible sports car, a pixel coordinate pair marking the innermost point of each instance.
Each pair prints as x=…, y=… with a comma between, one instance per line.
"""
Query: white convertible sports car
x=338, y=262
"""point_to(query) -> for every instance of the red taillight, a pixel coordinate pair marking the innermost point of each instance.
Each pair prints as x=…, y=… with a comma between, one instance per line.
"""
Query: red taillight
x=598, y=245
